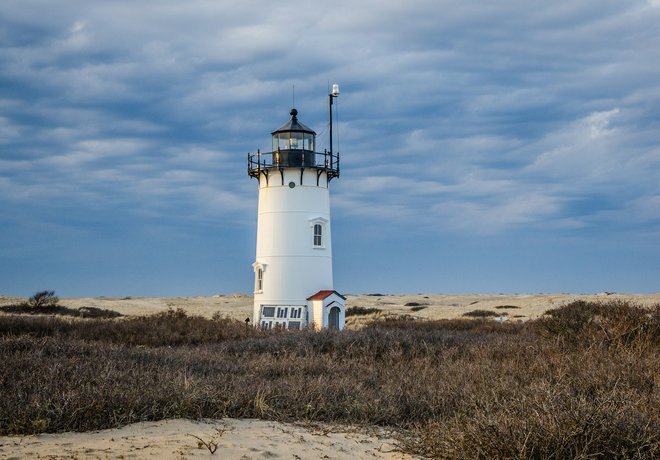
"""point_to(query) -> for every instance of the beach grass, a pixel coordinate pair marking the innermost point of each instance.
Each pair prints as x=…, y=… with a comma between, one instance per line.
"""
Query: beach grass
x=580, y=382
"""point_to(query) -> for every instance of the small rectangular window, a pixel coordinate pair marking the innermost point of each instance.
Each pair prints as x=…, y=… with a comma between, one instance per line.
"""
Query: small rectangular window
x=259, y=280
x=318, y=235
x=268, y=312
x=294, y=325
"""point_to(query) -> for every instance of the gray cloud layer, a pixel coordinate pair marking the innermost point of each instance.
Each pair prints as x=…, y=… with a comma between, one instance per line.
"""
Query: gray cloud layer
x=456, y=118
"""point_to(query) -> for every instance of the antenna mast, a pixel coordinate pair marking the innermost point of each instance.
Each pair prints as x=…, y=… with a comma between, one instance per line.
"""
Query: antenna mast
x=331, y=96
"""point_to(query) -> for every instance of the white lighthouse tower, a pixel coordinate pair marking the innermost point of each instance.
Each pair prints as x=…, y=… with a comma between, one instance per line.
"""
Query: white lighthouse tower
x=293, y=267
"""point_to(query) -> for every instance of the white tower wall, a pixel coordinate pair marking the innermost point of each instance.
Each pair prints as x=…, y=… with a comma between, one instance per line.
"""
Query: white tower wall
x=293, y=266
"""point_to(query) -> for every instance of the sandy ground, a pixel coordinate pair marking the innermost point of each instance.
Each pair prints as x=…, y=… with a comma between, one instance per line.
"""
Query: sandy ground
x=513, y=307
x=236, y=439
x=254, y=439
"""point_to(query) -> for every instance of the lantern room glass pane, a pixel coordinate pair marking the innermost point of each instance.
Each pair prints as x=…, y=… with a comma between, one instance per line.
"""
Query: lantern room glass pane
x=308, y=142
x=294, y=140
x=281, y=141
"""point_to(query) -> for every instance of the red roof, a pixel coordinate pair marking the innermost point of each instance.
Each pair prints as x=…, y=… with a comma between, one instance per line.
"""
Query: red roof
x=323, y=294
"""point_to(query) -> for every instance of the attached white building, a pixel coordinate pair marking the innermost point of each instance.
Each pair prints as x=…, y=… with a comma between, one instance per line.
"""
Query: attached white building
x=293, y=267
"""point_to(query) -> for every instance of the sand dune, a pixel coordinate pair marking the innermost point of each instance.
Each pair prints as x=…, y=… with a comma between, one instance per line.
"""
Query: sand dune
x=236, y=439
x=426, y=306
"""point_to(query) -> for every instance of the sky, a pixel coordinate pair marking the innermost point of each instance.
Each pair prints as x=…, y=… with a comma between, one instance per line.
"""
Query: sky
x=486, y=147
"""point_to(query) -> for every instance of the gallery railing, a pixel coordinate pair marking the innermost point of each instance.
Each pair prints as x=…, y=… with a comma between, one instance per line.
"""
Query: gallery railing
x=293, y=158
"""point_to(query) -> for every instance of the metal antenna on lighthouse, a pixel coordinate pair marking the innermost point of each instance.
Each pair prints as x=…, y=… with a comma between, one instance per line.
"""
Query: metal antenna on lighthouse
x=331, y=96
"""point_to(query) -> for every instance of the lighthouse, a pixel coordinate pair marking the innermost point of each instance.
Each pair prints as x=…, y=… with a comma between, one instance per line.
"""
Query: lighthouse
x=293, y=266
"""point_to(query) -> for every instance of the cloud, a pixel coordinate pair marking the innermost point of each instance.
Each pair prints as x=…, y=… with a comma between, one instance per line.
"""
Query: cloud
x=537, y=186
x=467, y=119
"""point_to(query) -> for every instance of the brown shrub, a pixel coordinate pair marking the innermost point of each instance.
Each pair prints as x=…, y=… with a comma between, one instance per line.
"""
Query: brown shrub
x=481, y=313
x=613, y=323
x=43, y=299
x=82, y=312
x=577, y=405
x=173, y=327
x=360, y=311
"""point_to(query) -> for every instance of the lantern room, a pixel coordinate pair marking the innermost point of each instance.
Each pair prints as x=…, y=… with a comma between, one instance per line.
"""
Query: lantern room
x=294, y=135
x=294, y=146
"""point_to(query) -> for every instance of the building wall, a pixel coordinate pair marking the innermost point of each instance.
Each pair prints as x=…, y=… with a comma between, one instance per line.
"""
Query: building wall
x=293, y=269
x=317, y=313
x=320, y=311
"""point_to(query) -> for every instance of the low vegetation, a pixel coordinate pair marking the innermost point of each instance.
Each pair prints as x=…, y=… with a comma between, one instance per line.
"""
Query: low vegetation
x=82, y=312
x=581, y=382
x=361, y=311
x=482, y=313
x=43, y=299
x=47, y=303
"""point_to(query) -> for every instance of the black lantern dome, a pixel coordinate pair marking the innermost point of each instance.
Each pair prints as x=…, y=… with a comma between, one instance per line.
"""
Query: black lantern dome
x=294, y=135
x=294, y=146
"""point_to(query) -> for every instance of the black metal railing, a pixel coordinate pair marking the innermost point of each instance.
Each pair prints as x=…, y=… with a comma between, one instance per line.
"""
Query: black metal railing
x=293, y=158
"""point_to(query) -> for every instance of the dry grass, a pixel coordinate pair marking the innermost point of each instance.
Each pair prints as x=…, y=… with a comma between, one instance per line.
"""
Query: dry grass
x=580, y=383
x=482, y=313
x=361, y=311
x=82, y=312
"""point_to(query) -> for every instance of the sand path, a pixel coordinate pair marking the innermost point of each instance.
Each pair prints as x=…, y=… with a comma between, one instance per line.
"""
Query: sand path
x=173, y=439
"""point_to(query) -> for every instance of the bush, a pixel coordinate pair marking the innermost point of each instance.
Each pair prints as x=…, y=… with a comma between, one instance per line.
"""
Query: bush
x=361, y=311
x=613, y=323
x=82, y=312
x=482, y=313
x=43, y=299
x=570, y=319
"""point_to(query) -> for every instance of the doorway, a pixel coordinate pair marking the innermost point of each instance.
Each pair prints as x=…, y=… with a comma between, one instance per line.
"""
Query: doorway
x=333, y=318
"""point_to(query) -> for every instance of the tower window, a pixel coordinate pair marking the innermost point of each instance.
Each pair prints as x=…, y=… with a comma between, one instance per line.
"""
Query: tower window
x=259, y=269
x=318, y=235
x=259, y=282
x=319, y=230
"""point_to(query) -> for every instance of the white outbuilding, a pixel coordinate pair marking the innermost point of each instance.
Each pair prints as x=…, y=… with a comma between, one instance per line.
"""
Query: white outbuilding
x=293, y=267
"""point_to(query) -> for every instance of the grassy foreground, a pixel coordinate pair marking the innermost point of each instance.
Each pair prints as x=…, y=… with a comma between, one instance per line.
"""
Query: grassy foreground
x=582, y=382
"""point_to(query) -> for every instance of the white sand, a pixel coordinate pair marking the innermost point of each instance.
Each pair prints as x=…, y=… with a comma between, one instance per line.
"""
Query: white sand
x=236, y=439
